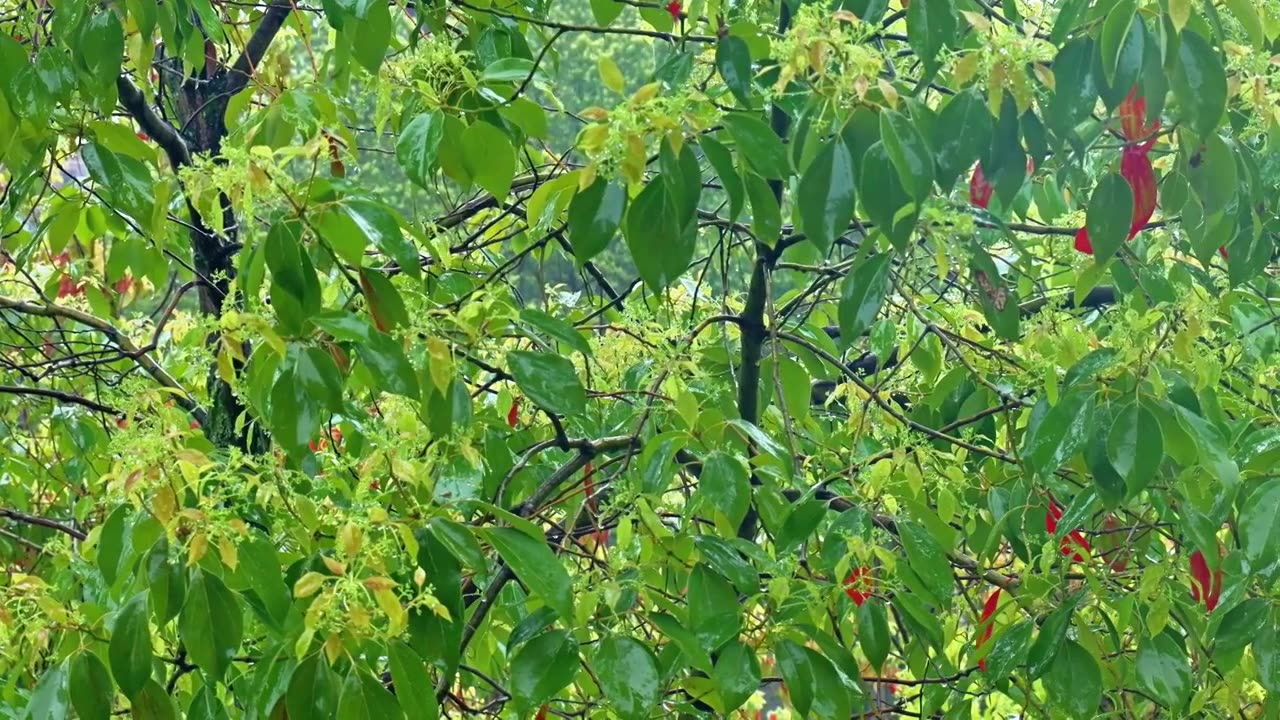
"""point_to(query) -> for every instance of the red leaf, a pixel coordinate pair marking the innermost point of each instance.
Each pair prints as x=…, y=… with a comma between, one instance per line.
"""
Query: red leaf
x=860, y=585
x=1082, y=242
x=979, y=189
x=1133, y=117
x=542, y=713
x=1222, y=250
x=675, y=8
x=1135, y=167
x=1074, y=543
x=1205, y=588
x=985, y=622
x=514, y=413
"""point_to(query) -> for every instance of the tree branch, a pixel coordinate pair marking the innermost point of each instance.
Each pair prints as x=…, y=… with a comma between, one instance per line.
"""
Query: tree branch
x=254, y=50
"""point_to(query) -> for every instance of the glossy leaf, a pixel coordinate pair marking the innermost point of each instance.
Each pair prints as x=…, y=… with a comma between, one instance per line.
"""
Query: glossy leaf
x=549, y=380
x=628, y=674
x=536, y=566
x=862, y=294
x=826, y=194
x=130, y=648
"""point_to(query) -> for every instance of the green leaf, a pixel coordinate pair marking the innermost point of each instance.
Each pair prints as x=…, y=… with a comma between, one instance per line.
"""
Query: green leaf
x=861, y=295
x=831, y=699
x=489, y=158
x=967, y=132
x=1055, y=434
x=365, y=698
x=927, y=558
x=629, y=677
x=908, y=152
x=733, y=61
x=766, y=216
x=386, y=361
x=1075, y=91
x=371, y=35
x=1241, y=625
x=211, y=625
x=722, y=162
x=415, y=690
x=736, y=675
x=1115, y=30
x=556, y=328
x=313, y=690
x=460, y=542
x=130, y=647
x=543, y=667
x=931, y=26
x=381, y=228
x=507, y=70
x=536, y=566
x=1135, y=446
x=101, y=48
x=1266, y=650
x=317, y=374
x=725, y=486
x=606, y=11
x=49, y=699
x=873, y=632
x=1110, y=485
x=1163, y=671
x=1109, y=215
x=659, y=245
x=153, y=703
x=295, y=415
x=549, y=380
x=825, y=196
x=90, y=684
x=1009, y=651
x=1200, y=84
x=1247, y=13
x=111, y=542
x=1073, y=682
x=259, y=572
x=418, y=144
x=595, y=214
x=884, y=197
x=758, y=145
x=1260, y=527
x=295, y=291
x=1049, y=642
x=797, y=673
x=714, y=612
x=124, y=180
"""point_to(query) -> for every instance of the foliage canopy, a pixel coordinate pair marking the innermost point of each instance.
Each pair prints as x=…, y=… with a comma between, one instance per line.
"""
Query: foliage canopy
x=620, y=359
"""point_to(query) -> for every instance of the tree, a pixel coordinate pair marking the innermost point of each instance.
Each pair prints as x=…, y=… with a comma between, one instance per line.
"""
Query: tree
x=620, y=359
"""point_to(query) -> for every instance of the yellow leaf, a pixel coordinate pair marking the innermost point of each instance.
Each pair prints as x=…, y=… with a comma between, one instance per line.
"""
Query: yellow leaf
x=645, y=94
x=610, y=75
x=197, y=549
x=419, y=577
x=979, y=23
x=379, y=584
x=303, y=645
x=889, y=91
x=227, y=551
x=1045, y=75
x=441, y=363
x=350, y=539
x=390, y=605
x=334, y=566
x=333, y=647
x=1179, y=13
x=597, y=114
x=587, y=177
x=593, y=137
x=308, y=585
